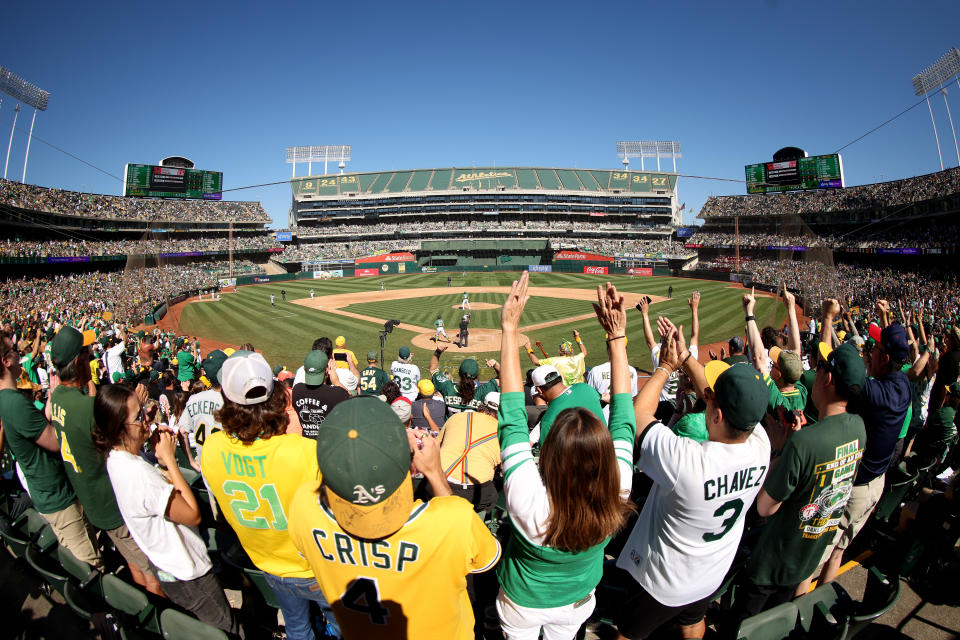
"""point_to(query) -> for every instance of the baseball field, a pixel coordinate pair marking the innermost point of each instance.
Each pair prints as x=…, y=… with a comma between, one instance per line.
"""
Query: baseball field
x=356, y=308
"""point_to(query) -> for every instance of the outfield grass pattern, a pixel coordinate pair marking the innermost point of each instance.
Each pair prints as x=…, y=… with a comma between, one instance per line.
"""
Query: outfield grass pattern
x=285, y=333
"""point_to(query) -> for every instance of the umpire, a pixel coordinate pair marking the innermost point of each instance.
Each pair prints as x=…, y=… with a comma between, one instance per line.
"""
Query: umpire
x=464, y=329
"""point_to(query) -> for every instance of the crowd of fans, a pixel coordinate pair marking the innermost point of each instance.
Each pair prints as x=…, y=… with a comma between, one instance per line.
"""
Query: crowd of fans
x=664, y=248
x=374, y=479
x=476, y=224
x=931, y=237
x=17, y=248
x=879, y=195
x=93, y=205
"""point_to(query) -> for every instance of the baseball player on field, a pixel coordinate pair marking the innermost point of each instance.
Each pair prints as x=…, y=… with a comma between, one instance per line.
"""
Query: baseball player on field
x=465, y=303
x=701, y=489
x=311, y=294
x=438, y=324
x=271, y=301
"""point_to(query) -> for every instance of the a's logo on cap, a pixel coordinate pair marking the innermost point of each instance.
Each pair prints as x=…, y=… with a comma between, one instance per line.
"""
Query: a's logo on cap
x=364, y=496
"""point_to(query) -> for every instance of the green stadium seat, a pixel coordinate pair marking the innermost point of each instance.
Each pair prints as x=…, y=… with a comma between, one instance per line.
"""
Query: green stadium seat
x=548, y=179
x=180, y=626
x=527, y=179
x=879, y=596
x=569, y=180
x=349, y=184
x=399, y=181
x=772, y=624
x=48, y=568
x=260, y=582
x=419, y=181
x=441, y=179
x=825, y=610
x=640, y=182
x=381, y=182
x=602, y=178
x=589, y=181
x=366, y=180
x=132, y=601
x=892, y=496
x=85, y=587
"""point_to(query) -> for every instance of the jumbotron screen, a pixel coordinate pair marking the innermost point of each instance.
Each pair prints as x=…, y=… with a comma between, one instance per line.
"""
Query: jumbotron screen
x=151, y=181
x=815, y=172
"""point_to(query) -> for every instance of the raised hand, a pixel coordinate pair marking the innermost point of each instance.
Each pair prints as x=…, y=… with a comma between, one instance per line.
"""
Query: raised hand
x=749, y=300
x=610, y=311
x=513, y=306
x=789, y=300
x=694, y=300
x=644, y=305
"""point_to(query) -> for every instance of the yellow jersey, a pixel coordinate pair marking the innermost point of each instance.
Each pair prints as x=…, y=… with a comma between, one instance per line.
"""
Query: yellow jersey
x=470, y=451
x=411, y=584
x=254, y=484
x=571, y=368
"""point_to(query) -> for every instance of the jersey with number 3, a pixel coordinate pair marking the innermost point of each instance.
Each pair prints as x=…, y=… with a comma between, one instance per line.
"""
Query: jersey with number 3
x=254, y=484
x=688, y=532
x=411, y=584
x=197, y=419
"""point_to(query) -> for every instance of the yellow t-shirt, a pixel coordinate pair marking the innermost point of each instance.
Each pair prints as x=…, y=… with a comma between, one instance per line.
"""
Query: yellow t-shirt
x=95, y=370
x=411, y=584
x=342, y=364
x=571, y=368
x=470, y=452
x=254, y=484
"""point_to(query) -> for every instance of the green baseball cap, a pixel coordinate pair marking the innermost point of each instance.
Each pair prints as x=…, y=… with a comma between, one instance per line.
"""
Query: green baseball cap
x=67, y=345
x=212, y=363
x=846, y=364
x=791, y=366
x=364, y=456
x=739, y=392
x=469, y=368
x=277, y=369
x=404, y=352
x=371, y=356
x=315, y=367
x=117, y=376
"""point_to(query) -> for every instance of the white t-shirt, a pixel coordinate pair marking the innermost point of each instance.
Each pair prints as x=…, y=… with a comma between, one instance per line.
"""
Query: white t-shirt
x=669, y=391
x=689, y=530
x=197, y=419
x=301, y=376
x=407, y=376
x=114, y=360
x=599, y=379
x=142, y=495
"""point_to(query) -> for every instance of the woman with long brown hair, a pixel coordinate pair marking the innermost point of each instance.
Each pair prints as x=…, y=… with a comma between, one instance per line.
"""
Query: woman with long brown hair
x=564, y=512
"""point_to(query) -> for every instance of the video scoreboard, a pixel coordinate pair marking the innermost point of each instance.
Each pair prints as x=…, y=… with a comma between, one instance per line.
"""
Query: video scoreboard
x=814, y=172
x=151, y=181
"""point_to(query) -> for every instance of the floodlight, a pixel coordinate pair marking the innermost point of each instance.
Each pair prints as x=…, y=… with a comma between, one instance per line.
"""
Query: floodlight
x=327, y=153
x=23, y=91
x=931, y=80
x=649, y=149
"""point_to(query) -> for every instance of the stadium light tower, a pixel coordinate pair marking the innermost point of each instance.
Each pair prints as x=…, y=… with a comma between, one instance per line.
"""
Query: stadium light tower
x=27, y=93
x=648, y=149
x=932, y=79
x=340, y=153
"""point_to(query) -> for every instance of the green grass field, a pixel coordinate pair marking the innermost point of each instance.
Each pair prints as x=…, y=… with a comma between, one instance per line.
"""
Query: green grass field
x=285, y=334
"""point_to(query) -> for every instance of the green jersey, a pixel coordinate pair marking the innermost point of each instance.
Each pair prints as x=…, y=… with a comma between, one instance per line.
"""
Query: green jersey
x=372, y=380
x=813, y=480
x=86, y=469
x=451, y=393
x=693, y=426
x=186, y=366
x=577, y=395
x=22, y=425
x=782, y=402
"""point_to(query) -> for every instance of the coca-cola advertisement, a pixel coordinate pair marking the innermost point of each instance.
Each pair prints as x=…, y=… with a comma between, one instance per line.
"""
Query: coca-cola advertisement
x=596, y=271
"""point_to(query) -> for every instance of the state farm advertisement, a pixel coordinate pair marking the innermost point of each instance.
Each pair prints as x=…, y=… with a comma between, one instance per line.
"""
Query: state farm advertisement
x=404, y=256
x=579, y=255
x=596, y=271
x=366, y=272
x=640, y=271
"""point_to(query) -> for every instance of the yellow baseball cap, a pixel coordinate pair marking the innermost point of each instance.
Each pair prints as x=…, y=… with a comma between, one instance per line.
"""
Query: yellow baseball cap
x=426, y=388
x=340, y=341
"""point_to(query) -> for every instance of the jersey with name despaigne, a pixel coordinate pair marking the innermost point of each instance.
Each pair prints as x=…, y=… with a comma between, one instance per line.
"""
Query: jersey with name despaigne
x=451, y=393
x=411, y=584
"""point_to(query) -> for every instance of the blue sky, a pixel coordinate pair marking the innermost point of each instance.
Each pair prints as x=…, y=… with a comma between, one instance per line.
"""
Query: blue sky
x=417, y=85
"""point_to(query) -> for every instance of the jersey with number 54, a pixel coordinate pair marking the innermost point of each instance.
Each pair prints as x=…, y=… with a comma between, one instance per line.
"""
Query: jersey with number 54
x=688, y=532
x=411, y=584
x=254, y=484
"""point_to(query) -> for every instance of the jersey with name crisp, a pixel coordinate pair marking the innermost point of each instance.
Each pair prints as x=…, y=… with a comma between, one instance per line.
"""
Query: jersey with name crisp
x=254, y=484
x=411, y=584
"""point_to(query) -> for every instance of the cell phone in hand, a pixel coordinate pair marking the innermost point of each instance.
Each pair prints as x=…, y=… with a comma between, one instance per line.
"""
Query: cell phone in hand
x=340, y=356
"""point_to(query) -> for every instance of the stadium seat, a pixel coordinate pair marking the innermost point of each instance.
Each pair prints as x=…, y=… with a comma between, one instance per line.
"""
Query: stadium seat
x=256, y=577
x=825, y=611
x=48, y=568
x=180, y=626
x=879, y=596
x=131, y=601
x=892, y=497
x=772, y=624
x=85, y=588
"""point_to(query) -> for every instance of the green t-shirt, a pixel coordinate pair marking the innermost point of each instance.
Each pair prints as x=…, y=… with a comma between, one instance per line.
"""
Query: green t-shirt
x=693, y=426
x=578, y=395
x=86, y=469
x=940, y=428
x=372, y=380
x=813, y=480
x=806, y=380
x=22, y=425
x=451, y=393
x=186, y=369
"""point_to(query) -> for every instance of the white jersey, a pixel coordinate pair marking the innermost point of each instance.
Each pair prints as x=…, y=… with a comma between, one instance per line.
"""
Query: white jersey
x=689, y=530
x=197, y=419
x=599, y=379
x=115, y=360
x=669, y=391
x=407, y=376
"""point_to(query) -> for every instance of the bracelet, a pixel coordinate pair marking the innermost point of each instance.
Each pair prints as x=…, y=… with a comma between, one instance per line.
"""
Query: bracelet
x=438, y=353
x=529, y=350
x=578, y=339
x=669, y=373
x=749, y=318
x=609, y=340
x=685, y=360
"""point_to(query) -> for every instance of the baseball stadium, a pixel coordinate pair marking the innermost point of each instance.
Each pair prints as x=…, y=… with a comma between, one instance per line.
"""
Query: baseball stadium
x=498, y=402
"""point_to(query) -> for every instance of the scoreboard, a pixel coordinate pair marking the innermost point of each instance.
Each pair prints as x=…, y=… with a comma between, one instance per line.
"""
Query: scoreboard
x=815, y=172
x=151, y=181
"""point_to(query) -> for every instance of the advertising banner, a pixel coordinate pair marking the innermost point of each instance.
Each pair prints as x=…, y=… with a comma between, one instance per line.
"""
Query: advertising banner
x=640, y=271
x=228, y=282
x=360, y=273
x=541, y=268
x=785, y=248
x=692, y=245
x=326, y=275
x=261, y=278
x=404, y=256
x=579, y=255
x=596, y=271
x=58, y=259
x=428, y=269
x=284, y=236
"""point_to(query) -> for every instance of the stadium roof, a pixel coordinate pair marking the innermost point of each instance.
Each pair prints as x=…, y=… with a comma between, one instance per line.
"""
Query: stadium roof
x=455, y=180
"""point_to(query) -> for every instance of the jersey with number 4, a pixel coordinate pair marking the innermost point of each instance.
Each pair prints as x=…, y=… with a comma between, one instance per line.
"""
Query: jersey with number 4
x=411, y=584
x=407, y=377
x=254, y=484
x=688, y=532
x=197, y=419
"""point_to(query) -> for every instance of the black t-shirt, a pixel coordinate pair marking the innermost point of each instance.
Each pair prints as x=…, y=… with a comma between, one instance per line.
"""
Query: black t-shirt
x=312, y=404
x=948, y=369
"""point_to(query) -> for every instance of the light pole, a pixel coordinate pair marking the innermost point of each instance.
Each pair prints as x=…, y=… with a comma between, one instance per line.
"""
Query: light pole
x=932, y=79
x=29, y=94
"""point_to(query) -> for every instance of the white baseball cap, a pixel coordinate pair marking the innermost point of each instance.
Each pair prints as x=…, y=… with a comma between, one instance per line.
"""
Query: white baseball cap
x=492, y=400
x=543, y=374
x=403, y=408
x=246, y=378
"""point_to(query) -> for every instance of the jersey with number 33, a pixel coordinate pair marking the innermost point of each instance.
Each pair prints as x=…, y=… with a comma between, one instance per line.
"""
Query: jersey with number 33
x=688, y=532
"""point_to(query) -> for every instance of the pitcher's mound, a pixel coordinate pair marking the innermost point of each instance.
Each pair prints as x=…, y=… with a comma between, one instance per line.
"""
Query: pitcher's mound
x=478, y=306
x=479, y=340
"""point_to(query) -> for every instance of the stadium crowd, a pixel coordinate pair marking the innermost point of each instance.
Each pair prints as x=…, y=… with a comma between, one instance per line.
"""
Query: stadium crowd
x=93, y=205
x=476, y=224
x=381, y=493
x=934, y=237
x=17, y=248
x=879, y=195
